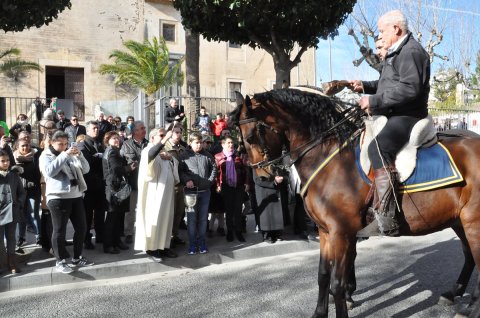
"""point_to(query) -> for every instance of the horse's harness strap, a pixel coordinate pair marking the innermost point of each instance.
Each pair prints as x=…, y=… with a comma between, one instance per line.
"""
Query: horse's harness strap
x=325, y=162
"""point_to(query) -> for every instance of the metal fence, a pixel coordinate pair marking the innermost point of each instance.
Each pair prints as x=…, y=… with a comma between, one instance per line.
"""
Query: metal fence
x=191, y=106
x=445, y=118
x=11, y=107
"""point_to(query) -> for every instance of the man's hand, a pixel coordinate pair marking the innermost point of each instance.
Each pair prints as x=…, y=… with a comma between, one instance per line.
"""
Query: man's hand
x=356, y=86
x=364, y=104
x=278, y=179
x=4, y=141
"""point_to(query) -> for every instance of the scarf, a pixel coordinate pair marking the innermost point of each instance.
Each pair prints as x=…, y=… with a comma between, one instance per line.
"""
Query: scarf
x=19, y=158
x=231, y=173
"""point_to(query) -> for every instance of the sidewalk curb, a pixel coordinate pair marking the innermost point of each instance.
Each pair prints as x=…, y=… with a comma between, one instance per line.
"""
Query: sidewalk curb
x=144, y=265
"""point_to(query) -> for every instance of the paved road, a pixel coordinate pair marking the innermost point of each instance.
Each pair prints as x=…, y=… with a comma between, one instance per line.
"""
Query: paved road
x=400, y=277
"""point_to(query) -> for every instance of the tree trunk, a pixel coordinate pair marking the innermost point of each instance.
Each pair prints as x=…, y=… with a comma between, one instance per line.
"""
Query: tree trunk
x=192, y=61
x=283, y=67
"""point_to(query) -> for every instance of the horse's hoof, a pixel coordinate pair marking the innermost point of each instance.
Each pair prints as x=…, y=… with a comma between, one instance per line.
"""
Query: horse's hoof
x=445, y=301
x=331, y=300
x=350, y=304
x=464, y=313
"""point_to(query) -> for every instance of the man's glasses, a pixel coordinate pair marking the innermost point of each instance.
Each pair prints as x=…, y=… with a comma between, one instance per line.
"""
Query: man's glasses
x=177, y=132
x=74, y=119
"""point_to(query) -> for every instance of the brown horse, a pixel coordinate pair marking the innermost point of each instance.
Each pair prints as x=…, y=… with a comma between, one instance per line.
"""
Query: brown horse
x=310, y=128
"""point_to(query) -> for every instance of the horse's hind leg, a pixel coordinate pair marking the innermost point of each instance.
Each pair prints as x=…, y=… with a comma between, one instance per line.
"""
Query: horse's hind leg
x=460, y=286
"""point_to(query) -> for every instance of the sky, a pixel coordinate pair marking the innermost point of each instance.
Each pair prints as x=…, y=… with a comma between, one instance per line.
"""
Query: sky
x=460, y=21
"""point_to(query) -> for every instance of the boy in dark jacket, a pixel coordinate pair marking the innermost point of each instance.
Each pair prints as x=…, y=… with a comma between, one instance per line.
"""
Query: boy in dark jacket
x=197, y=172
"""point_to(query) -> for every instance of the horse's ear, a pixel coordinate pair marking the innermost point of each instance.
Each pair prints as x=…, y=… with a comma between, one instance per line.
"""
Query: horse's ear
x=239, y=98
x=248, y=103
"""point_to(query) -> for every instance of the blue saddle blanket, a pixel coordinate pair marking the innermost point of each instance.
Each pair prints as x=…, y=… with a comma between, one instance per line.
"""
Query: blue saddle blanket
x=435, y=168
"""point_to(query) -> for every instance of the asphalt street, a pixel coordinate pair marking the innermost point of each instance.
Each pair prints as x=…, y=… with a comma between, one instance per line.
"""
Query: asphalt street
x=396, y=277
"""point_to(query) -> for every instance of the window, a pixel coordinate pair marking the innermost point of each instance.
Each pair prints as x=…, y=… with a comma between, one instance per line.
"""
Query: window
x=168, y=32
x=234, y=86
x=234, y=45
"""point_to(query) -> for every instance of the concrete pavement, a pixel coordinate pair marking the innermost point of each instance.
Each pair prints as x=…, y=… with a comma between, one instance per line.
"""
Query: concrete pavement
x=38, y=266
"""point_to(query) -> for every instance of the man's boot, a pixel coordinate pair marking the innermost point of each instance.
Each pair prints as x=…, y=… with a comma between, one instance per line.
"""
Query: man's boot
x=12, y=263
x=384, y=204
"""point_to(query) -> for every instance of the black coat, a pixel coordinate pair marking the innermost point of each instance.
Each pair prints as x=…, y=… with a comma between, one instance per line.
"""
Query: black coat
x=171, y=113
x=115, y=169
x=403, y=86
x=90, y=149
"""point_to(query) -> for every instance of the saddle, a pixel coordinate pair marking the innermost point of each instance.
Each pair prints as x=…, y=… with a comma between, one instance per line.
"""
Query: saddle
x=423, y=135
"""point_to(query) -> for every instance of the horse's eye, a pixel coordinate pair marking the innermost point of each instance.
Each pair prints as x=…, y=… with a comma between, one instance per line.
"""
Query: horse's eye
x=249, y=139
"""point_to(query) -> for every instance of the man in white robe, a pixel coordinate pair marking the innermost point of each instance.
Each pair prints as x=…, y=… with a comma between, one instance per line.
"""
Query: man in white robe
x=158, y=174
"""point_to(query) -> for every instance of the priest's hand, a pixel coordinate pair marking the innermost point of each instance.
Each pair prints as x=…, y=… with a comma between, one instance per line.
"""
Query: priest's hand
x=165, y=156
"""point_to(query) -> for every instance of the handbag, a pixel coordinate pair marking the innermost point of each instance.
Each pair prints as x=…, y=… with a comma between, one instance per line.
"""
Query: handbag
x=118, y=197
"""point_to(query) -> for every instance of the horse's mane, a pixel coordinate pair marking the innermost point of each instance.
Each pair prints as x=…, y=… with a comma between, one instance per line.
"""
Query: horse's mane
x=316, y=112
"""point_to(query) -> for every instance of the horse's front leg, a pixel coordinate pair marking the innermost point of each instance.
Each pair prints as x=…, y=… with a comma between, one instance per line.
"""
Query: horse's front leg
x=324, y=270
x=337, y=255
x=343, y=251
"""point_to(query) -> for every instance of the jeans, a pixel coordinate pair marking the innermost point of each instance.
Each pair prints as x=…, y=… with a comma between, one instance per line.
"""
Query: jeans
x=197, y=221
x=61, y=211
x=32, y=213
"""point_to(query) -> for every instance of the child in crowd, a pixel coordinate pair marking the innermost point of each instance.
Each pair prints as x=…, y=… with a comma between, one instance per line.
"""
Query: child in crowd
x=197, y=172
x=11, y=207
x=219, y=125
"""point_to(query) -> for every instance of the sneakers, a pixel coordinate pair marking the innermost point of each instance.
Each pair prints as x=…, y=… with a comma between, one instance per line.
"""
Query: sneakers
x=81, y=262
x=62, y=267
x=192, y=250
x=203, y=249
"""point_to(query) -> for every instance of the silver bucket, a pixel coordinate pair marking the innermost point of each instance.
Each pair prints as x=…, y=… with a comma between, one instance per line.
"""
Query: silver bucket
x=190, y=200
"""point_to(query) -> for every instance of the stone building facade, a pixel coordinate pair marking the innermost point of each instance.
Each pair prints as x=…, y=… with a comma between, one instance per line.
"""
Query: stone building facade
x=71, y=49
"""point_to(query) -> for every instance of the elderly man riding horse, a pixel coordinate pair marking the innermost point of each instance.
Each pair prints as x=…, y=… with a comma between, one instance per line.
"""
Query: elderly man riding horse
x=401, y=94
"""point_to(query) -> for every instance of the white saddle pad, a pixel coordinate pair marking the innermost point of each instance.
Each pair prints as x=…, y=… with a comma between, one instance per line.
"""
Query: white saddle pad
x=423, y=134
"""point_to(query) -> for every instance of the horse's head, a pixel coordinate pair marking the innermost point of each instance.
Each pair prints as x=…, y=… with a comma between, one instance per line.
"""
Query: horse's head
x=263, y=140
x=278, y=120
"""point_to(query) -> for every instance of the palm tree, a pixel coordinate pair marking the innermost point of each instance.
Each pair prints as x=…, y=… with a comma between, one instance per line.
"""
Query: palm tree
x=147, y=66
x=13, y=67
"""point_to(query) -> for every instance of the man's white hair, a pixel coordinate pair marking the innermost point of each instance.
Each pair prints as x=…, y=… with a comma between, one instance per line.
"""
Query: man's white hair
x=395, y=17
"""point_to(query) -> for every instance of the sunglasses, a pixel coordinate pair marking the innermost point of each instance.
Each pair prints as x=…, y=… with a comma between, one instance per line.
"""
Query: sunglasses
x=162, y=136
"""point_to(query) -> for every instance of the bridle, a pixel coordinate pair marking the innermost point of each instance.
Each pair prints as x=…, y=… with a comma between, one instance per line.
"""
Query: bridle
x=261, y=127
x=303, y=149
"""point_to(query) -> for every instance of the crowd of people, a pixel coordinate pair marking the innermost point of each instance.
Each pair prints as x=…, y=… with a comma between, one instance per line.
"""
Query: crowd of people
x=76, y=172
